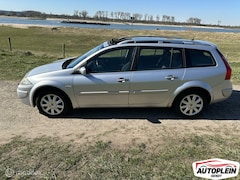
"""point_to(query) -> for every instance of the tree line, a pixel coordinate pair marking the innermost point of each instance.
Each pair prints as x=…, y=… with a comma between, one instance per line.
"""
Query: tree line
x=126, y=16
x=118, y=16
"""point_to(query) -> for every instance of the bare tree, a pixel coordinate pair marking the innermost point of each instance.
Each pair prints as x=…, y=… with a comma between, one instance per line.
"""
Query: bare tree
x=166, y=18
x=137, y=16
x=145, y=17
x=105, y=14
x=84, y=14
x=150, y=18
x=127, y=16
x=122, y=15
x=75, y=13
x=194, y=20
x=98, y=15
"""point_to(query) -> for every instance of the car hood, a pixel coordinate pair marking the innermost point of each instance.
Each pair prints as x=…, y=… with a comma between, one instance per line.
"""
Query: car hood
x=55, y=66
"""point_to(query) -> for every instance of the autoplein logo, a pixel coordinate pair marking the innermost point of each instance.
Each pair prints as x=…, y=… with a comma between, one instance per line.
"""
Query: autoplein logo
x=215, y=169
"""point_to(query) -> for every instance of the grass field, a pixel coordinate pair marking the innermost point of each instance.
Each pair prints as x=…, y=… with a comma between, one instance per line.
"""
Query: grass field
x=50, y=158
x=35, y=46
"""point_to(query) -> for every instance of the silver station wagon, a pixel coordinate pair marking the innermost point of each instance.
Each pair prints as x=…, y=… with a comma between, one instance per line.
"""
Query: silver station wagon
x=144, y=71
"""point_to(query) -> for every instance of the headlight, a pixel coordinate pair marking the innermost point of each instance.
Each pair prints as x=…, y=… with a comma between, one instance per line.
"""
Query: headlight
x=25, y=81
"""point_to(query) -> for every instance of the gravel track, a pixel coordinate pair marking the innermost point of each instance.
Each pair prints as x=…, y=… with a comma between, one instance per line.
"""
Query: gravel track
x=122, y=127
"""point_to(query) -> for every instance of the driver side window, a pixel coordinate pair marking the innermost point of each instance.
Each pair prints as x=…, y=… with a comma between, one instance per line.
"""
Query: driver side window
x=114, y=60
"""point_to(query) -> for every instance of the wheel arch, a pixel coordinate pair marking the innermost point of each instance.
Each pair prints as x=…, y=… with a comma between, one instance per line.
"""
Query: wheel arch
x=45, y=88
x=191, y=86
x=205, y=92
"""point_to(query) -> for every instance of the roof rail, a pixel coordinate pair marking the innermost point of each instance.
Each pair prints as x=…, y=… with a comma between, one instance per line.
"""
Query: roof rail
x=150, y=36
x=158, y=39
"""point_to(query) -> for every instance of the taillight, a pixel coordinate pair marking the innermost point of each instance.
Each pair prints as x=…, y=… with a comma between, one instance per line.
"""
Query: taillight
x=228, y=67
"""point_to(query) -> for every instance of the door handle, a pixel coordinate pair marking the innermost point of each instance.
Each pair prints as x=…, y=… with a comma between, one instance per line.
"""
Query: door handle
x=122, y=80
x=171, y=77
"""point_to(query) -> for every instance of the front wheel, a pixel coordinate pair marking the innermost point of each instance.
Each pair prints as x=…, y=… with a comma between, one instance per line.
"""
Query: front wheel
x=190, y=104
x=53, y=104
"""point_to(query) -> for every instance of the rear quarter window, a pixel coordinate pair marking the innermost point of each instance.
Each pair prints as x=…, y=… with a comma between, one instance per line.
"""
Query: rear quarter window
x=199, y=58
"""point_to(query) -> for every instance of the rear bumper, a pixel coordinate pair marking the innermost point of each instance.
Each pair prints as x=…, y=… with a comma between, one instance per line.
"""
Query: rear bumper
x=222, y=92
x=227, y=92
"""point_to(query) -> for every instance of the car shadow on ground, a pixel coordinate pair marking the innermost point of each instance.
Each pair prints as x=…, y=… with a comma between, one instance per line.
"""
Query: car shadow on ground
x=226, y=110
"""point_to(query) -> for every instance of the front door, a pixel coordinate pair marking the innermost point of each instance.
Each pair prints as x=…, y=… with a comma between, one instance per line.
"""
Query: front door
x=107, y=81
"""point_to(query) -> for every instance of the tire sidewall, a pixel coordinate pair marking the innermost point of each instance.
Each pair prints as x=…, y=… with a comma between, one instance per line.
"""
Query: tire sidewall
x=62, y=96
x=179, y=99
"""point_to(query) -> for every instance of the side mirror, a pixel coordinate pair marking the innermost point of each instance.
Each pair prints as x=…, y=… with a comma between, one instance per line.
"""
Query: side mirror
x=83, y=70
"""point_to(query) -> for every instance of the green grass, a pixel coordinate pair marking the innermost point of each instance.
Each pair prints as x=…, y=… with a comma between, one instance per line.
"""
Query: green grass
x=236, y=72
x=43, y=41
x=49, y=158
x=14, y=65
x=35, y=46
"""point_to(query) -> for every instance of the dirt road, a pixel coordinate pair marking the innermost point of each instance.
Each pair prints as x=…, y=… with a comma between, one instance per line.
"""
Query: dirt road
x=120, y=126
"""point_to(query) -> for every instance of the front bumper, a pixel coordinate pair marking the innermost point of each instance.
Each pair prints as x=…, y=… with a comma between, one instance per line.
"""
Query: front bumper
x=23, y=94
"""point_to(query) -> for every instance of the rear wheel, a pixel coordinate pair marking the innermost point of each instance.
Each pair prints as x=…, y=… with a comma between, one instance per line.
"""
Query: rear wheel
x=190, y=104
x=53, y=104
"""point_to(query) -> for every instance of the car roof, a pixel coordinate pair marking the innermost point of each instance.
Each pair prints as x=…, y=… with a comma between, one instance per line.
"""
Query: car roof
x=159, y=40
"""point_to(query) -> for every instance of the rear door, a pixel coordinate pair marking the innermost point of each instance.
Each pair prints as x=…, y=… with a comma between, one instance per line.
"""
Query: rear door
x=158, y=72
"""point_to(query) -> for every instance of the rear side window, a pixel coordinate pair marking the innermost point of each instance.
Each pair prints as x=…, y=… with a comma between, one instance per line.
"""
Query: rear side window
x=151, y=58
x=199, y=58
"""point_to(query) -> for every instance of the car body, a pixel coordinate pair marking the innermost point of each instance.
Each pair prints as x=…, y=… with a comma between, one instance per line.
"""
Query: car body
x=139, y=71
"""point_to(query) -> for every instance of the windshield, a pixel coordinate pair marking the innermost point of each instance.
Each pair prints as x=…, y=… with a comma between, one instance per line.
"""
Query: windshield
x=84, y=56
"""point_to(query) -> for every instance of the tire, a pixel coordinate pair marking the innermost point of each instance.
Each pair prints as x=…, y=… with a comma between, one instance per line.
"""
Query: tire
x=53, y=103
x=190, y=104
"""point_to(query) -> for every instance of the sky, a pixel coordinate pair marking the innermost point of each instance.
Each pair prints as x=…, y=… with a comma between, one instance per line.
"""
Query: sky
x=227, y=12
